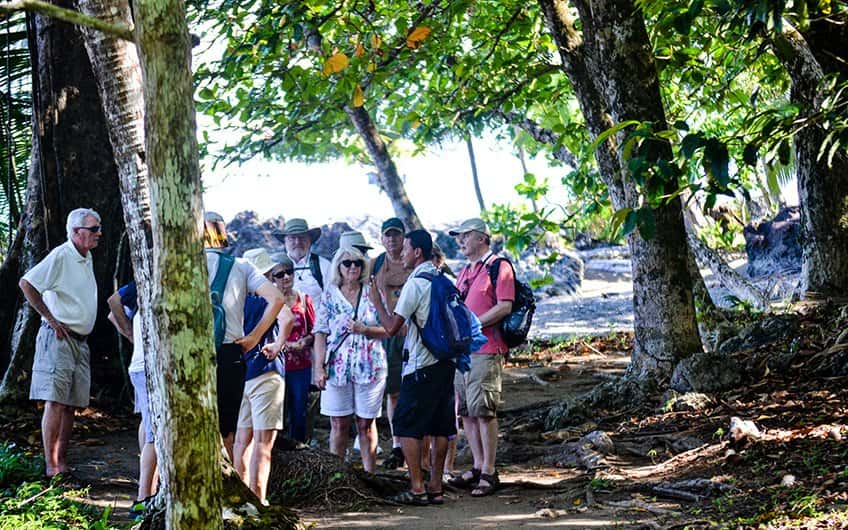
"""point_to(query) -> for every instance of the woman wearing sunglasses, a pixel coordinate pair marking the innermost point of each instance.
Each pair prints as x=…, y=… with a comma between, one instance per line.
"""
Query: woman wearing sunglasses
x=297, y=347
x=348, y=360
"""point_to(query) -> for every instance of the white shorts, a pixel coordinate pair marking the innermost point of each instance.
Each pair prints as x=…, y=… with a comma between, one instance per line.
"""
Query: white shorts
x=262, y=403
x=365, y=400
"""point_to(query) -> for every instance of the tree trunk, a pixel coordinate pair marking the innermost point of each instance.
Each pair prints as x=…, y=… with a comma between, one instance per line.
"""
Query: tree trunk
x=822, y=189
x=474, y=176
x=72, y=167
x=183, y=368
x=390, y=181
x=614, y=78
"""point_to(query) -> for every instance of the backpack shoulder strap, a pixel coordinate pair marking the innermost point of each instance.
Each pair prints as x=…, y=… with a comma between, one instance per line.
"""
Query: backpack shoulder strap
x=315, y=268
x=225, y=265
x=378, y=262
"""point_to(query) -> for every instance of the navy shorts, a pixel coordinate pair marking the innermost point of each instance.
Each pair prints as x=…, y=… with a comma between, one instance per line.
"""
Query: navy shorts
x=230, y=377
x=426, y=403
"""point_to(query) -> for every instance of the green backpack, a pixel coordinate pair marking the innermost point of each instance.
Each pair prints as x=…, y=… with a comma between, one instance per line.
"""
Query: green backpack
x=219, y=317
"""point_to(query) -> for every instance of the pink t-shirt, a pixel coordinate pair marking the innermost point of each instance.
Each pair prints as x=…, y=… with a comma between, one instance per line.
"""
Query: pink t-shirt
x=475, y=286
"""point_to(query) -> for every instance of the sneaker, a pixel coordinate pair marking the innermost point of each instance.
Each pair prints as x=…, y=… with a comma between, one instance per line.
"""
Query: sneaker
x=395, y=459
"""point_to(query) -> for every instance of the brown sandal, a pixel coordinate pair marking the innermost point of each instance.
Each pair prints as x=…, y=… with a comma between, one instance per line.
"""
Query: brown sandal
x=493, y=483
x=466, y=483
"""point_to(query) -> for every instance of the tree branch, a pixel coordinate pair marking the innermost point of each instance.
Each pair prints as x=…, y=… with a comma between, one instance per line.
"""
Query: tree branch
x=67, y=15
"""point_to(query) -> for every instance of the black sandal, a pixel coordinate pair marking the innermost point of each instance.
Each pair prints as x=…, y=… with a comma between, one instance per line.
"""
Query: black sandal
x=466, y=483
x=493, y=483
x=436, y=497
x=411, y=499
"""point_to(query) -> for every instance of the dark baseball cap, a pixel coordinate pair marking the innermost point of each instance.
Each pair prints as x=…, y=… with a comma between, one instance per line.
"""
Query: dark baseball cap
x=392, y=223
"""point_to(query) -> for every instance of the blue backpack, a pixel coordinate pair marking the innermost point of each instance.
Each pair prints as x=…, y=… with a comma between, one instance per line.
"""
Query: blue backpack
x=219, y=317
x=447, y=332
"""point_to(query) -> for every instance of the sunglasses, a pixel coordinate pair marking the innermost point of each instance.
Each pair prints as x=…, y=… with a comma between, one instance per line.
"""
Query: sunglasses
x=283, y=273
x=93, y=229
x=351, y=262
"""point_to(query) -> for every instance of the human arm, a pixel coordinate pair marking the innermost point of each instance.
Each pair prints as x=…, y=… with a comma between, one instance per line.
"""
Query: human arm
x=118, y=317
x=285, y=323
x=504, y=293
x=274, y=298
x=497, y=313
x=393, y=323
x=33, y=297
x=319, y=352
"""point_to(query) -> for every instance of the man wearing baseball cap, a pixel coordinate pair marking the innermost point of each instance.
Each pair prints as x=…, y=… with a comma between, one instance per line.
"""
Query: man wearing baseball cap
x=390, y=276
x=479, y=390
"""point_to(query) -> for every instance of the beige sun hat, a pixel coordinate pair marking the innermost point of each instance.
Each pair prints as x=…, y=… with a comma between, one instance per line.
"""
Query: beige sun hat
x=475, y=224
x=259, y=258
x=354, y=239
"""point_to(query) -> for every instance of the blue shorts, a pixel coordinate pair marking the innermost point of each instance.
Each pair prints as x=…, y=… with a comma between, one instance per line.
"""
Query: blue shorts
x=426, y=403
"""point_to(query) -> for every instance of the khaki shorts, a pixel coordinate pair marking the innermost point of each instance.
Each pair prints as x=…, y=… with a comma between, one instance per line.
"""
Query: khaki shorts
x=478, y=392
x=60, y=371
x=262, y=403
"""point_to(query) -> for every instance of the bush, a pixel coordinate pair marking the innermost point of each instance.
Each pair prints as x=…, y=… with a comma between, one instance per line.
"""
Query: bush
x=17, y=467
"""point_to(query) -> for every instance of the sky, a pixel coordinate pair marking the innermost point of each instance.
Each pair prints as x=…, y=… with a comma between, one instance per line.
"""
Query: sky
x=439, y=185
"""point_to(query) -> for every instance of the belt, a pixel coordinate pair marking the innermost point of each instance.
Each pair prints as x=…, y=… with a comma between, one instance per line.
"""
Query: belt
x=72, y=334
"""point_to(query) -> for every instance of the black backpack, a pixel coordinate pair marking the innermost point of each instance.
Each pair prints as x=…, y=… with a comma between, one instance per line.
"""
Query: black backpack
x=516, y=325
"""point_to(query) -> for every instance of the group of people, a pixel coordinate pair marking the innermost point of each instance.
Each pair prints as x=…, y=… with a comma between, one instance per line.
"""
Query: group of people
x=294, y=322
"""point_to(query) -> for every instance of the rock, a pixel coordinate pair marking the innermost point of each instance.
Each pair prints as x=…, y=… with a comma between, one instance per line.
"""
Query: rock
x=774, y=246
x=743, y=431
x=689, y=402
x=685, y=443
x=599, y=441
x=835, y=433
x=246, y=231
x=566, y=272
x=708, y=372
x=787, y=481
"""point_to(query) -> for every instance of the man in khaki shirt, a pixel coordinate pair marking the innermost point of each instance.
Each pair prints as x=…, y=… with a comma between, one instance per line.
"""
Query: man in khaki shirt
x=63, y=290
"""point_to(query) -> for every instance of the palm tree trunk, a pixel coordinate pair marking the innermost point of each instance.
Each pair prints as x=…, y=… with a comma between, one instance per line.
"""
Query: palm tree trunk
x=474, y=176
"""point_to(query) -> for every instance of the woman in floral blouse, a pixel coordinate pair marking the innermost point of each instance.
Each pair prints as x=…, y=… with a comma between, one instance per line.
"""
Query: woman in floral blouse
x=297, y=348
x=348, y=360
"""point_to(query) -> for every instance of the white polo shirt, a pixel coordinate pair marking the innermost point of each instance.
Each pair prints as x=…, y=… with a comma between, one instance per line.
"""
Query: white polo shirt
x=65, y=280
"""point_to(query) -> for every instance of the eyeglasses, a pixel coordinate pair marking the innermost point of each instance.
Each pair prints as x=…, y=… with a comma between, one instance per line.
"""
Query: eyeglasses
x=283, y=273
x=93, y=229
x=351, y=262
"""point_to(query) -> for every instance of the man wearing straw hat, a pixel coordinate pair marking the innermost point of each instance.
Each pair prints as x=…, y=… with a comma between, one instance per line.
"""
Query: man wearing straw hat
x=310, y=269
x=62, y=289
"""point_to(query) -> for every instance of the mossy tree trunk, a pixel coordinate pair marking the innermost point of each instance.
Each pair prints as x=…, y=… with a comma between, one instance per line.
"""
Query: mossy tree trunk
x=183, y=368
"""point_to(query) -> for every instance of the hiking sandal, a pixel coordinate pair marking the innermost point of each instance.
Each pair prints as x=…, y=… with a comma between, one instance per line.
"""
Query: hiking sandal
x=465, y=483
x=492, y=484
x=436, y=497
x=410, y=498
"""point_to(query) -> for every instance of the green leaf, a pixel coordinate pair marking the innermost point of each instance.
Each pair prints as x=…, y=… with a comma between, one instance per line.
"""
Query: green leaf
x=647, y=222
x=715, y=152
x=601, y=138
x=629, y=223
x=690, y=144
x=681, y=125
x=749, y=155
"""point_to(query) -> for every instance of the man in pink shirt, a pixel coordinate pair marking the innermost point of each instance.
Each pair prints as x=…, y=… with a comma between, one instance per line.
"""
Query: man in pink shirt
x=479, y=391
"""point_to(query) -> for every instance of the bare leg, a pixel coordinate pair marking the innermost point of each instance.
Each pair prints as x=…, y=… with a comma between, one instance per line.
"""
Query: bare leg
x=65, y=438
x=260, y=462
x=489, y=441
x=367, y=429
x=438, y=450
x=450, y=458
x=228, y=444
x=391, y=405
x=412, y=455
x=425, y=453
x=339, y=433
x=472, y=432
x=242, y=450
x=148, y=477
x=51, y=425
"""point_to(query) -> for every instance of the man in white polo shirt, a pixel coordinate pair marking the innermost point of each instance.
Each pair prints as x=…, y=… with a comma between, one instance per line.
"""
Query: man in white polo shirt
x=63, y=290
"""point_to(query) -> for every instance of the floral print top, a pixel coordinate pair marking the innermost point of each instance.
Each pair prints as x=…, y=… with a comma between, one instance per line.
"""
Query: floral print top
x=304, y=321
x=352, y=358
